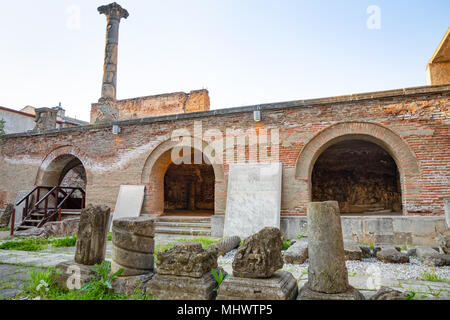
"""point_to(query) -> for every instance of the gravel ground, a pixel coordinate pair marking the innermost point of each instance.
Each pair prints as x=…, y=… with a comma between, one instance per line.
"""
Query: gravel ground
x=407, y=271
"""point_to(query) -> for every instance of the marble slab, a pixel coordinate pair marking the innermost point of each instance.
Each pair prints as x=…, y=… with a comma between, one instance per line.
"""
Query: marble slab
x=253, y=198
x=19, y=208
x=129, y=202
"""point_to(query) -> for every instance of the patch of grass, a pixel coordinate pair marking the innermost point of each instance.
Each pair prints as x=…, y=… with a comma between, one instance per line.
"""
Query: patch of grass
x=5, y=229
x=65, y=242
x=34, y=244
x=431, y=276
x=41, y=285
x=7, y=285
x=371, y=245
x=205, y=241
x=109, y=238
x=404, y=247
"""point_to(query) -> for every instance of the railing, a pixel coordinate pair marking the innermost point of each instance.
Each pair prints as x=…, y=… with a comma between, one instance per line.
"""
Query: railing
x=48, y=213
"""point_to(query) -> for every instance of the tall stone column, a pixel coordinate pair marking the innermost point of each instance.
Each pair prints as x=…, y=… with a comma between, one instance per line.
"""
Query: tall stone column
x=327, y=272
x=106, y=109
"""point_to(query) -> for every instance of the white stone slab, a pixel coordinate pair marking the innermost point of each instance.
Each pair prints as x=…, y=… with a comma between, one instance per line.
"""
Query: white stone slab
x=129, y=202
x=447, y=212
x=19, y=208
x=253, y=198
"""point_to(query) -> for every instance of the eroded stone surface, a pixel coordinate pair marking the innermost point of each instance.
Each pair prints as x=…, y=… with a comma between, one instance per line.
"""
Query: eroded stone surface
x=297, y=253
x=5, y=216
x=327, y=271
x=129, y=285
x=71, y=275
x=226, y=245
x=429, y=255
x=386, y=293
x=133, y=245
x=392, y=255
x=92, y=234
x=352, y=251
x=187, y=259
x=260, y=255
x=281, y=286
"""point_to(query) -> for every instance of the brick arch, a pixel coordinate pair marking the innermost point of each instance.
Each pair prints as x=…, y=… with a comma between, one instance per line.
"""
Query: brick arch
x=155, y=168
x=54, y=164
x=385, y=138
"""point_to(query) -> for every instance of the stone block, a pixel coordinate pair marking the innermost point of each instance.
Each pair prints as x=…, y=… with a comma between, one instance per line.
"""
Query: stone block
x=71, y=275
x=392, y=255
x=128, y=285
x=429, y=255
x=5, y=216
x=172, y=287
x=187, y=259
x=385, y=293
x=217, y=225
x=306, y=293
x=131, y=259
x=281, y=286
x=297, y=253
x=253, y=198
x=260, y=255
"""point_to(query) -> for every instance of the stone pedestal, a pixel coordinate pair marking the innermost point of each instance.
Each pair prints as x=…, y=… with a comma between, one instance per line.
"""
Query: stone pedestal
x=184, y=273
x=128, y=285
x=71, y=275
x=327, y=272
x=171, y=287
x=281, y=286
x=45, y=119
x=92, y=235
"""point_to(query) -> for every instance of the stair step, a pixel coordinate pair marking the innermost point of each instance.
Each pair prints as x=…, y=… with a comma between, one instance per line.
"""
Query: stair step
x=187, y=225
x=184, y=219
x=193, y=232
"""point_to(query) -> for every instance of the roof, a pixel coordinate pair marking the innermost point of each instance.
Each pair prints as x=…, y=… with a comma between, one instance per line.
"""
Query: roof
x=442, y=53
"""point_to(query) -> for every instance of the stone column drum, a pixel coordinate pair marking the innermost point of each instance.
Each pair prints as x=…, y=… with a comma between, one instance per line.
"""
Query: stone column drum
x=133, y=246
x=327, y=272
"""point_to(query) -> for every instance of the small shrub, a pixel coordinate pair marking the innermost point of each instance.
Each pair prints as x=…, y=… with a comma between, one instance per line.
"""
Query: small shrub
x=218, y=277
x=286, y=243
x=34, y=244
x=109, y=238
x=65, y=242
x=300, y=236
x=39, y=282
x=205, y=241
x=101, y=285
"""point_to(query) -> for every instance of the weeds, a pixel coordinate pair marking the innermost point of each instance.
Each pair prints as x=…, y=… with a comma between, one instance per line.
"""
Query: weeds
x=65, y=242
x=432, y=276
x=218, y=277
x=35, y=244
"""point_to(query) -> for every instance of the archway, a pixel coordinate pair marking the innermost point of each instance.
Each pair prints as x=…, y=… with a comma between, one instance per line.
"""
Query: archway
x=383, y=137
x=66, y=171
x=189, y=189
x=360, y=175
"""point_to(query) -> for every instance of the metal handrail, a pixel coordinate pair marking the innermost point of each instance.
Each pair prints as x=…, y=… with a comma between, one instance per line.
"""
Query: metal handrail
x=46, y=196
x=28, y=194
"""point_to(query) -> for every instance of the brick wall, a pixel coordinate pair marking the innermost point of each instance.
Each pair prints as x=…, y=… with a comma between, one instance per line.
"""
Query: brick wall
x=159, y=105
x=413, y=125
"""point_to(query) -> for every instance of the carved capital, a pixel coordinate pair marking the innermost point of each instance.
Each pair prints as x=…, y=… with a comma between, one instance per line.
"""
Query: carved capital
x=113, y=11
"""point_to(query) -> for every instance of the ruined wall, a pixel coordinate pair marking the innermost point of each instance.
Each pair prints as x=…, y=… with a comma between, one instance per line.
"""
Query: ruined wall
x=159, y=105
x=412, y=124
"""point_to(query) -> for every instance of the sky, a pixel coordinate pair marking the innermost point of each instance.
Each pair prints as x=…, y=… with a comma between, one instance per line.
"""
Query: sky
x=244, y=52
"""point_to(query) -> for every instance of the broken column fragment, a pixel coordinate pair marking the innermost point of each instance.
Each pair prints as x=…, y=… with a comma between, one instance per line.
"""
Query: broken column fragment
x=327, y=272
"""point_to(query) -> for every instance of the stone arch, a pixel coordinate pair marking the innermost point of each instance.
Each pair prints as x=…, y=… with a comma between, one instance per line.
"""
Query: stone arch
x=404, y=158
x=58, y=163
x=156, y=166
